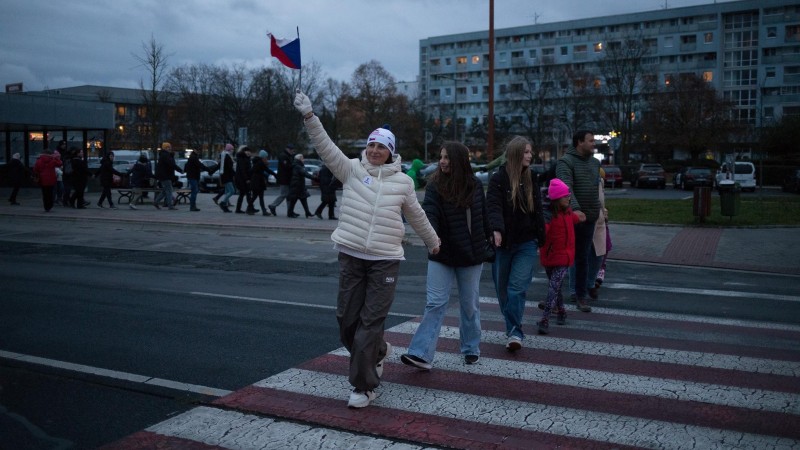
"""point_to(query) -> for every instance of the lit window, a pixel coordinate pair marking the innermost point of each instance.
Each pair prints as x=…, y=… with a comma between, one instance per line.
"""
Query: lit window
x=708, y=76
x=598, y=47
x=476, y=59
x=461, y=60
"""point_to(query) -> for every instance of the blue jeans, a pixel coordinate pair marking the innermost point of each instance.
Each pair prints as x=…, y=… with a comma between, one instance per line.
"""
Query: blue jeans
x=512, y=273
x=584, y=233
x=194, y=185
x=440, y=284
x=595, y=262
x=230, y=189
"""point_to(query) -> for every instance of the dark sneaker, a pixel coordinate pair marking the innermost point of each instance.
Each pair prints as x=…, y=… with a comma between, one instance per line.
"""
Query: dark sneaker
x=471, y=359
x=561, y=318
x=415, y=361
x=544, y=327
x=379, y=366
x=514, y=343
x=593, y=293
x=583, y=306
x=272, y=210
x=360, y=399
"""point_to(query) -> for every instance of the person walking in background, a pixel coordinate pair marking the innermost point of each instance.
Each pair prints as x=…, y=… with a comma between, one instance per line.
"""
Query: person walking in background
x=580, y=171
x=456, y=207
x=165, y=172
x=297, y=187
x=517, y=220
x=141, y=174
x=369, y=238
x=194, y=167
x=258, y=181
x=413, y=172
x=226, y=173
x=17, y=173
x=241, y=177
x=106, y=175
x=558, y=254
x=80, y=178
x=284, y=178
x=58, y=189
x=45, y=171
x=600, y=242
x=328, y=184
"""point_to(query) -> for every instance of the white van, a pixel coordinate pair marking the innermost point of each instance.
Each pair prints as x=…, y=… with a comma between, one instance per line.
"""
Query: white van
x=744, y=173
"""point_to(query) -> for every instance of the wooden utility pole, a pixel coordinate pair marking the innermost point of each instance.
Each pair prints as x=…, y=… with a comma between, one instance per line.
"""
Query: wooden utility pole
x=490, y=137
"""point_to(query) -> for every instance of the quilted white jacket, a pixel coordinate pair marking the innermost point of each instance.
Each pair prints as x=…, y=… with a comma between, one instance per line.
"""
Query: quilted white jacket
x=373, y=200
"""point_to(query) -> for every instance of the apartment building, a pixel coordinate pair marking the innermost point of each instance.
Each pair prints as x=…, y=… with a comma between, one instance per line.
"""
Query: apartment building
x=748, y=50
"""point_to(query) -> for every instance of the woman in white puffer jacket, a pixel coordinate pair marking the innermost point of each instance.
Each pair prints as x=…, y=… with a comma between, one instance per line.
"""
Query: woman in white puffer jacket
x=369, y=236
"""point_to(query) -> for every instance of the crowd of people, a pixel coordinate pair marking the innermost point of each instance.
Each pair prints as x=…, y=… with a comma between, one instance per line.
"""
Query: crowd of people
x=510, y=225
x=63, y=176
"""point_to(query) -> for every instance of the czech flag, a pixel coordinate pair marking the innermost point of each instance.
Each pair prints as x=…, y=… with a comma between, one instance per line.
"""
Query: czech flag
x=287, y=51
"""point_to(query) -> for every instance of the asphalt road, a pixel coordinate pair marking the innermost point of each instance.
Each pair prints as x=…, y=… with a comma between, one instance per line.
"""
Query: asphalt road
x=131, y=337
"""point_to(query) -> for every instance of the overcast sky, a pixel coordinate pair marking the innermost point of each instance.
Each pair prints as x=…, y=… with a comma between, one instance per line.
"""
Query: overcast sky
x=54, y=44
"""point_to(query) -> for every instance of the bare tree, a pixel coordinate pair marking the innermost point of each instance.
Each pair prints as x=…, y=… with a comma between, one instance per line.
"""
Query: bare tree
x=155, y=61
x=192, y=120
x=373, y=93
x=689, y=114
x=623, y=71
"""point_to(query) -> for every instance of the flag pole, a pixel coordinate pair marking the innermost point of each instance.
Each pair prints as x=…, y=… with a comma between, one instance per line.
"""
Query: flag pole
x=300, y=80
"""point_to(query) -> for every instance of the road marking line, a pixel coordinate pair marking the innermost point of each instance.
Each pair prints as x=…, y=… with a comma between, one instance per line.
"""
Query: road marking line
x=673, y=316
x=632, y=352
x=570, y=422
x=107, y=373
x=283, y=302
x=231, y=429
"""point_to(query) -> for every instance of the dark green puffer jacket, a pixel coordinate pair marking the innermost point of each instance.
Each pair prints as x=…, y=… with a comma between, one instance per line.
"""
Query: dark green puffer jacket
x=581, y=174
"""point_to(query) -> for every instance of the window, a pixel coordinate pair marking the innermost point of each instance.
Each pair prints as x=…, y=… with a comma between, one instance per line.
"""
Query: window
x=548, y=52
x=598, y=47
x=461, y=60
x=744, y=58
x=740, y=39
x=517, y=54
x=474, y=90
x=120, y=111
x=708, y=76
x=769, y=112
x=770, y=72
x=447, y=62
x=740, y=78
x=708, y=38
x=770, y=52
x=476, y=59
x=435, y=62
x=668, y=41
x=580, y=49
x=772, y=32
x=793, y=32
x=564, y=51
x=532, y=53
x=688, y=39
x=791, y=70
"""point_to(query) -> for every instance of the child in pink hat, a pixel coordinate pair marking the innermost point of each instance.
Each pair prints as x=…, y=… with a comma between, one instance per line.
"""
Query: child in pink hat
x=558, y=252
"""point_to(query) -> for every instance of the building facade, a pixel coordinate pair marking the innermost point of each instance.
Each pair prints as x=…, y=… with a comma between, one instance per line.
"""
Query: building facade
x=748, y=50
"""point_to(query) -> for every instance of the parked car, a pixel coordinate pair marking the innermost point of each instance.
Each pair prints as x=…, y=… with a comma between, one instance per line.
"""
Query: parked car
x=650, y=175
x=313, y=170
x=689, y=177
x=744, y=173
x=210, y=183
x=613, y=176
x=792, y=181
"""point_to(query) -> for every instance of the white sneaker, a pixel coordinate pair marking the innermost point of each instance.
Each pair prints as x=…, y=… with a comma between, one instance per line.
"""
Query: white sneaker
x=379, y=366
x=360, y=399
x=132, y=207
x=514, y=343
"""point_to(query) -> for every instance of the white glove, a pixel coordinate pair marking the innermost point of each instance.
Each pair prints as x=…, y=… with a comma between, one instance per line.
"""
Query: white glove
x=302, y=103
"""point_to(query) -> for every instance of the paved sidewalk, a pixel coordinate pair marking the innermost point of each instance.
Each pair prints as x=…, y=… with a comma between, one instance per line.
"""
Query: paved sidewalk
x=772, y=250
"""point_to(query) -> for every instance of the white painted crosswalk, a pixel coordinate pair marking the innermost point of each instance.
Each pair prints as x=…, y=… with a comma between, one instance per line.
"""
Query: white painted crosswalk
x=608, y=379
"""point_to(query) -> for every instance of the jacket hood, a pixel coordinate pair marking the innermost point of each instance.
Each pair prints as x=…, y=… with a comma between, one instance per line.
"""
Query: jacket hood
x=382, y=170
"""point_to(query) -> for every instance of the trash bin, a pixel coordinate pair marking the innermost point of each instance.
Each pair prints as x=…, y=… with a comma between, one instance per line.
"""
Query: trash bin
x=729, y=197
x=701, y=204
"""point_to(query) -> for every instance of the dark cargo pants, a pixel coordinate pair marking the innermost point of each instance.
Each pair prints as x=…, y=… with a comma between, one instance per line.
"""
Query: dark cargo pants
x=366, y=293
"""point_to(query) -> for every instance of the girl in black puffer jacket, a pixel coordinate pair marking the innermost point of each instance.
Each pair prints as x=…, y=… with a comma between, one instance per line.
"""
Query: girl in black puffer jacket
x=456, y=208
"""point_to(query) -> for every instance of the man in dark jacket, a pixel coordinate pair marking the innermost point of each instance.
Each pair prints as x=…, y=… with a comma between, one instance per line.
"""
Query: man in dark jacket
x=17, y=172
x=225, y=178
x=165, y=172
x=284, y=178
x=194, y=167
x=579, y=170
x=80, y=177
x=140, y=179
x=244, y=170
